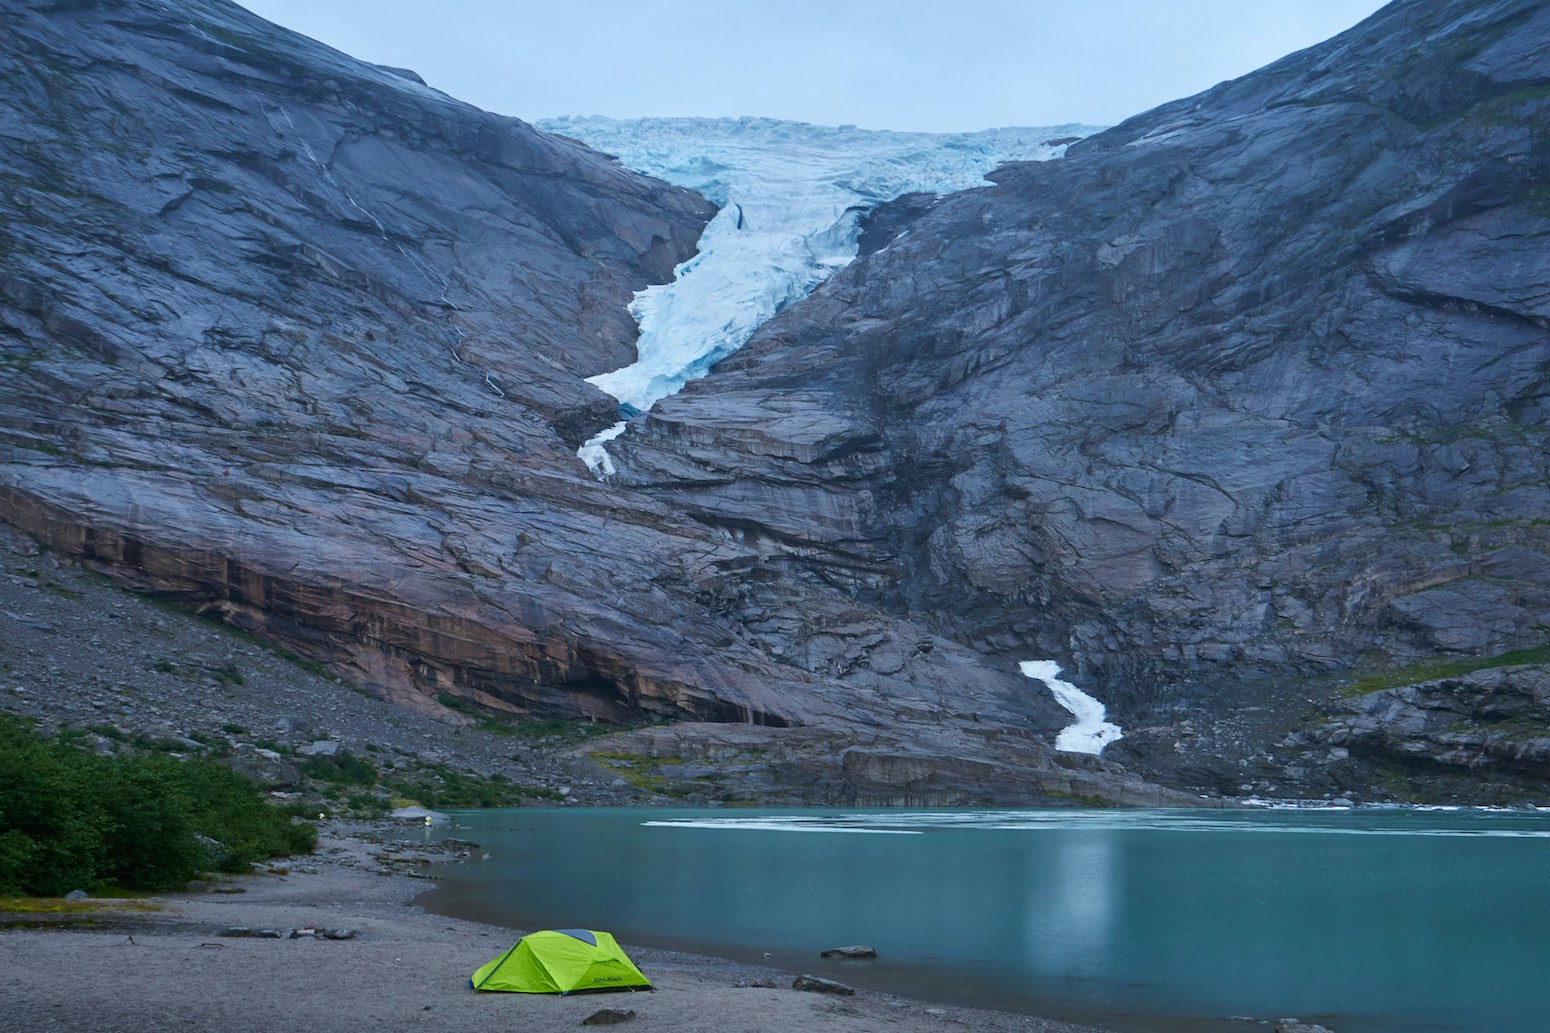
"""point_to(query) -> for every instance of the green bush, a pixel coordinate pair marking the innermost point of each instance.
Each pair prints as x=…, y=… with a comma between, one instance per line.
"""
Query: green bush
x=18, y=856
x=366, y=804
x=343, y=768
x=73, y=820
x=53, y=833
x=151, y=824
x=437, y=785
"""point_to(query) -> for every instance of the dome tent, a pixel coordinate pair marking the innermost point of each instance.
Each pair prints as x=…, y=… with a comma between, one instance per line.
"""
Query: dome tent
x=561, y=961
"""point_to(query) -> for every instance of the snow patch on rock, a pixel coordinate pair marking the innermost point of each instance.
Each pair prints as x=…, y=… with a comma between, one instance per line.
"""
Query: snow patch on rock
x=1091, y=731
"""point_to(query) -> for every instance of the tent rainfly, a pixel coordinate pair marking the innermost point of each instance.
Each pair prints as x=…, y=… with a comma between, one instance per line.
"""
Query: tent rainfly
x=561, y=961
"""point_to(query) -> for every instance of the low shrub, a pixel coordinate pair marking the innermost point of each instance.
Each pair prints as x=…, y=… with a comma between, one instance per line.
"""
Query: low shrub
x=343, y=768
x=73, y=820
x=441, y=786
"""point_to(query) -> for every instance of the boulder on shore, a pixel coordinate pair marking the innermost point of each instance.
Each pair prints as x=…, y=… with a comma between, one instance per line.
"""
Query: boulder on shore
x=820, y=986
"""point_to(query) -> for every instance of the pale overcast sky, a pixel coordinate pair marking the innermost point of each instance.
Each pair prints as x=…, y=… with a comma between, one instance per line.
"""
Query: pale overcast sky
x=880, y=64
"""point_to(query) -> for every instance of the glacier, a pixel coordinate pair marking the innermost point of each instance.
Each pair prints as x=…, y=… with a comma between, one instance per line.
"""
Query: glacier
x=792, y=197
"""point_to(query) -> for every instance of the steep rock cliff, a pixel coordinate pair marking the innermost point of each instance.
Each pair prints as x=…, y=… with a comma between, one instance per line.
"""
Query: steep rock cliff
x=301, y=342
x=1242, y=396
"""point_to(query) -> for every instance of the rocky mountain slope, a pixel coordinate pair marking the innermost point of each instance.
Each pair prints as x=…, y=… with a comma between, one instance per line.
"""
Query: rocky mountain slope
x=301, y=341
x=301, y=344
x=1238, y=399
x=124, y=672
x=1243, y=397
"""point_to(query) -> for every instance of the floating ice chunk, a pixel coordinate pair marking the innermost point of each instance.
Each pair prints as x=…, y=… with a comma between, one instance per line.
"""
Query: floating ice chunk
x=1091, y=732
x=794, y=825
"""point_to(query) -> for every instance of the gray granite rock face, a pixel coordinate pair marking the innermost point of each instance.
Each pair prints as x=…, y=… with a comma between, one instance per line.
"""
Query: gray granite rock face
x=1240, y=395
x=301, y=342
x=1249, y=392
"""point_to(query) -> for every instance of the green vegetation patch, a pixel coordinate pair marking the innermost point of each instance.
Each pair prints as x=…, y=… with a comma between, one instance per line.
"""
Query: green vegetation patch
x=1432, y=670
x=70, y=819
x=553, y=731
x=442, y=787
x=641, y=771
x=343, y=768
x=562, y=731
x=457, y=703
x=61, y=906
x=1089, y=800
x=484, y=723
x=1519, y=728
x=428, y=784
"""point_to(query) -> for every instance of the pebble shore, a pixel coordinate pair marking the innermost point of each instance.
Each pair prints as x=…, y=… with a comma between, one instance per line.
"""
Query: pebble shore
x=180, y=968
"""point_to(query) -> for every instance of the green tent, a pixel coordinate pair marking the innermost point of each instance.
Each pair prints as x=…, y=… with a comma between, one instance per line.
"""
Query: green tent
x=561, y=961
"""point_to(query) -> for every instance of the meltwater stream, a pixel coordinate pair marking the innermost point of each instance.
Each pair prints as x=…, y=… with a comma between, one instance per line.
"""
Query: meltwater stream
x=791, y=197
x=1366, y=921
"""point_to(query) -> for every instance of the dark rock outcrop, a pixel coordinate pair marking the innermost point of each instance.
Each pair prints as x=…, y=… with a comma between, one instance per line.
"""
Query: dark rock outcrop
x=819, y=985
x=1241, y=396
x=920, y=760
x=1494, y=723
x=887, y=221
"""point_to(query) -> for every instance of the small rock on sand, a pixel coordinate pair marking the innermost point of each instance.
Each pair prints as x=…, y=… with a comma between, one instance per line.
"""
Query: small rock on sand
x=608, y=1017
x=820, y=986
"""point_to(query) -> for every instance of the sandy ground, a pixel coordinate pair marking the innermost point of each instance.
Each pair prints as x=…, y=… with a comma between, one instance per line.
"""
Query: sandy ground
x=405, y=969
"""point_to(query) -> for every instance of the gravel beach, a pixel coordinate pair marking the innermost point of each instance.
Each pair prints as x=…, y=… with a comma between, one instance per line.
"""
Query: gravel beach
x=112, y=970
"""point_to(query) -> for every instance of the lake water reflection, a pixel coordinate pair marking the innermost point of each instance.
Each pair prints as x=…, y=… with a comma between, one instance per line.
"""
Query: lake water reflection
x=1375, y=920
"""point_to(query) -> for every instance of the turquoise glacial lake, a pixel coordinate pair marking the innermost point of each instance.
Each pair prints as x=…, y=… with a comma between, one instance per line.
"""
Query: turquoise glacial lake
x=1366, y=920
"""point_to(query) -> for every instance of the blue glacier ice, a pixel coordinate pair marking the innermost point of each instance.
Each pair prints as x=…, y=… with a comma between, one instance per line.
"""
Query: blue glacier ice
x=791, y=199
